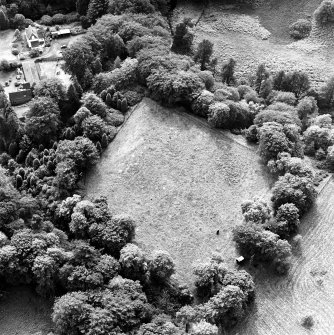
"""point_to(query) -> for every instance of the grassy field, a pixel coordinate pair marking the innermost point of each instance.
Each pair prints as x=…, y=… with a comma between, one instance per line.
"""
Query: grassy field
x=23, y=312
x=181, y=181
x=253, y=37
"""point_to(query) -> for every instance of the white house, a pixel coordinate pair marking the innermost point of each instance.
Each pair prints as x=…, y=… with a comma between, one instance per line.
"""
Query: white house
x=32, y=37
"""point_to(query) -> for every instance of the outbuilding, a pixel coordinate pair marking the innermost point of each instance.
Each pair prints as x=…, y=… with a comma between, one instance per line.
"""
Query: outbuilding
x=240, y=259
x=61, y=33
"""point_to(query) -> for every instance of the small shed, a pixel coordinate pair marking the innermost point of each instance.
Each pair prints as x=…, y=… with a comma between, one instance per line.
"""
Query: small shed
x=240, y=259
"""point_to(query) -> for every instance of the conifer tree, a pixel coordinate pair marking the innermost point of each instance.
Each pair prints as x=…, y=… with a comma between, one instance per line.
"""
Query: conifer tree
x=96, y=9
x=204, y=53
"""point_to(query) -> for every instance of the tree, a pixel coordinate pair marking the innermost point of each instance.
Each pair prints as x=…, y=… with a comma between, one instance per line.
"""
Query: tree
x=78, y=58
x=209, y=276
x=94, y=127
x=9, y=200
x=113, y=235
x=262, y=245
x=71, y=313
x=43, y=120
x=307, y=109
x=228, y=72
x=256, y=211
x=174, y=87
x=82, y=6
x=52, y=88
x=287, y=164
x=81, y=151
x=262, y=74
x=204, y=328
x=293, y=189
x=19, y=21
x=96, y=9
x=73, y=95
x=133, y=262
x=94, y=104
x=226, y=307
x=3, y=20
x=119, y=7
x=300, y=29
x=287, y=220
x=161, y=266
x=182, y=39
x=200, y=106
x=45, y=270
x=325, y=12
x=296, y=82
x=326, y=96
x=275, y=138
x=204, y=53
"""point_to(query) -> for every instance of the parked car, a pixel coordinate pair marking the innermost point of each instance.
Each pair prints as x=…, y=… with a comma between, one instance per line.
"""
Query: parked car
x=64, y=46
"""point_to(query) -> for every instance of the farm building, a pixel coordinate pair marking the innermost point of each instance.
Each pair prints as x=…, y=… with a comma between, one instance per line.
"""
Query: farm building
x=33, y=39
x=20, y=97
x=61, y=33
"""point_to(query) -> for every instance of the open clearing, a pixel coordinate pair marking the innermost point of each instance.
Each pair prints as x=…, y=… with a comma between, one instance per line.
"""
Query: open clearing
x=261, y=36
x=23, y=312
x=181, y=181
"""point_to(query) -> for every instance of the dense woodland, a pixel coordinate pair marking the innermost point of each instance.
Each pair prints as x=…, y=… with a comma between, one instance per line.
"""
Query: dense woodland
x=75, y=250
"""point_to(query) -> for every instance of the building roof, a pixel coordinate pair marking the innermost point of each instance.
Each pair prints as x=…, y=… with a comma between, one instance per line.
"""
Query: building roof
x=31, y=33
x=61, y=32
x=20, y=97
x=25, y=86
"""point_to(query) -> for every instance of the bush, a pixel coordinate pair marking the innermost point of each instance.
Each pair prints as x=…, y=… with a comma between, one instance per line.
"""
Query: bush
x=58, y=19
x=174, y=87
x=121, y=77
x=325, y=12
x=200, y=106
x=275, y=138
x=300, y=29
x=161, y=266
x=227, y=93
x=94, y=104
x=33, y=53
x=288, y=98
x=46, y=20
x=118, y=7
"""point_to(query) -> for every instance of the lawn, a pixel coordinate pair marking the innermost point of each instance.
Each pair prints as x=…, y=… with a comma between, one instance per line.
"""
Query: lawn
x=23, y=312
x=6, y=38
x=181, y=181
x=53, y=69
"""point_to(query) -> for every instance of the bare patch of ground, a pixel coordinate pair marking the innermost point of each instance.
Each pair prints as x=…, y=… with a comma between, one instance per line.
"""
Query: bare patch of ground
x=23, y=312
x=181, y=181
